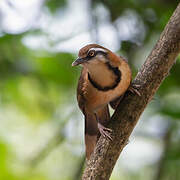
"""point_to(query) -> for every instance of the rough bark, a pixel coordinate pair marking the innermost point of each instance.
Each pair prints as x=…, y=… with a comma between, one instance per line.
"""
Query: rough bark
x=123, y=121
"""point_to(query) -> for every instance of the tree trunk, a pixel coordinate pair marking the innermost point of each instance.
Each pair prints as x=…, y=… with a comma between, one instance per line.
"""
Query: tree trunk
x=123, y=121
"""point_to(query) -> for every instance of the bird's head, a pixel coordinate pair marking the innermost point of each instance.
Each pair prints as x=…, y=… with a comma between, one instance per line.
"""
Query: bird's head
x=92, y=54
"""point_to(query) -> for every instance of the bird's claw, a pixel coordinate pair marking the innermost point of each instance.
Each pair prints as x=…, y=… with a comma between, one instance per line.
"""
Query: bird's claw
x=105, y=132
x=133, y=89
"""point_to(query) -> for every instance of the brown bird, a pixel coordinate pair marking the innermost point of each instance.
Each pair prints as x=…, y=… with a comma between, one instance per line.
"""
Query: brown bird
x=104, y=77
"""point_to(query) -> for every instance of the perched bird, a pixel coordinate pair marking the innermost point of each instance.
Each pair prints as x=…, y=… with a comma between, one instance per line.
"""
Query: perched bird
x=104, y=78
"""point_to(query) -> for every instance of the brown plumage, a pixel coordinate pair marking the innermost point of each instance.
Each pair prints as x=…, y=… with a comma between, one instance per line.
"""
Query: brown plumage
x=104, y=77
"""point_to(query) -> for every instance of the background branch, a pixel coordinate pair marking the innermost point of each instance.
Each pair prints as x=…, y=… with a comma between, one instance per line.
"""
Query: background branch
x=167, y=145
x=123, y=121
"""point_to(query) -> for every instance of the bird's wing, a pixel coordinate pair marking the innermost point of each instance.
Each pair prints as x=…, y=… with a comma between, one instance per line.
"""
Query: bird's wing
x=80, y=93
x=91, y=127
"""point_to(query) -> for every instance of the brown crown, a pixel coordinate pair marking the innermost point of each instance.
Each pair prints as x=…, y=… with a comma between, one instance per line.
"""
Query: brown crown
x=83, y=51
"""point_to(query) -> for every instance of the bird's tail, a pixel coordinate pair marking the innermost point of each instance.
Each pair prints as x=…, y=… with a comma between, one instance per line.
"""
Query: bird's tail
x=91, y=128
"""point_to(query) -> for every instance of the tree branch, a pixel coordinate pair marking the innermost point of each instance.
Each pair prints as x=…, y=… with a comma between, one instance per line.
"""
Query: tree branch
x=123, y=121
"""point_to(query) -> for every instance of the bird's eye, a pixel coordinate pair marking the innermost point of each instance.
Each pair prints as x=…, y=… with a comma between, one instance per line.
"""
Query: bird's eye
x=91, y=53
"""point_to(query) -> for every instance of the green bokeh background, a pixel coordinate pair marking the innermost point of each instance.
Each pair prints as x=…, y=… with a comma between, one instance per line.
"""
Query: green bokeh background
x=41, y=128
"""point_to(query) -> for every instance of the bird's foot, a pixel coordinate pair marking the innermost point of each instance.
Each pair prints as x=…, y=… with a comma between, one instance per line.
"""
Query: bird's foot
x=134, y=90
x=105, y=132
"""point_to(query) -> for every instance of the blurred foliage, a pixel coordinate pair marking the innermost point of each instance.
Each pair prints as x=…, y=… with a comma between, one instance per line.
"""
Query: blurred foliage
x=5, y=170
x=54, y=5
x=37, y=92
x=33, y=80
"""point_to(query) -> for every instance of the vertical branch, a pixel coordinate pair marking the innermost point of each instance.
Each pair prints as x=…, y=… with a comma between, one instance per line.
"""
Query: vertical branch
x=93, y=27
x=167, y=142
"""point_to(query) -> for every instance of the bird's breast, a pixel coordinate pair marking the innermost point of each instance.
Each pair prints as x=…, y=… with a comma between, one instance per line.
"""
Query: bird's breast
x=96, y=97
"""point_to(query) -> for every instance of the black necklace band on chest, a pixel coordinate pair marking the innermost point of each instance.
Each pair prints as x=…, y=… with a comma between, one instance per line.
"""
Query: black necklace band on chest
x=116, y=72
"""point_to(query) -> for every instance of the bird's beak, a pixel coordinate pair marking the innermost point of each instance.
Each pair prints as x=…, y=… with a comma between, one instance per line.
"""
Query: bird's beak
x=78, y=61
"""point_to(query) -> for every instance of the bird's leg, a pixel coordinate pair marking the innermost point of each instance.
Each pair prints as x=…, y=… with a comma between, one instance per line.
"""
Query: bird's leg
x=133, y=88
x=104, y=131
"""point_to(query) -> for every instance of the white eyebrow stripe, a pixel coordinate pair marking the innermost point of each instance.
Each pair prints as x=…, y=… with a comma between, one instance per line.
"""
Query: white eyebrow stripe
x=98, y=49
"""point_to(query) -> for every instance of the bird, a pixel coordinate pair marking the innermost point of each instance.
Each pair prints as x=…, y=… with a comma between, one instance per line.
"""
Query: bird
x=104, y=79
